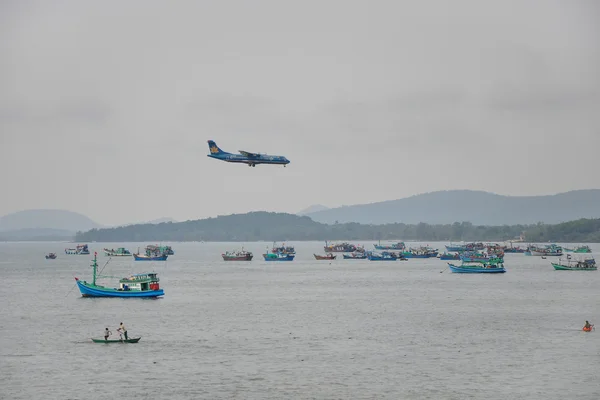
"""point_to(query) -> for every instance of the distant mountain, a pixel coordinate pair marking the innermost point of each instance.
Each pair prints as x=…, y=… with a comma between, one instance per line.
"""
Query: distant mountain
x=161, y=220
x=60, y=220
x=264, y=226
x=312, y=209
x=477, y=207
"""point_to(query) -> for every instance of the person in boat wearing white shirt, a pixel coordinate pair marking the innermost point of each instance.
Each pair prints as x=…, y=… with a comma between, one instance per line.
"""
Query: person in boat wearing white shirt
x=122, y=330
x=107, y=333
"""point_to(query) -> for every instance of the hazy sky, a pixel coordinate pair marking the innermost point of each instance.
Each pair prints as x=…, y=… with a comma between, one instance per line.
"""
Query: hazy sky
x=106, y=106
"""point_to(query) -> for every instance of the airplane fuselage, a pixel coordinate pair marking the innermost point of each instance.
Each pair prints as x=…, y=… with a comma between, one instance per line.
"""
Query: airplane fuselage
x=251, y=161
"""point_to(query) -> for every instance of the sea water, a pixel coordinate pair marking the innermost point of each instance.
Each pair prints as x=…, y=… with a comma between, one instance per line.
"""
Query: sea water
x=306, y=329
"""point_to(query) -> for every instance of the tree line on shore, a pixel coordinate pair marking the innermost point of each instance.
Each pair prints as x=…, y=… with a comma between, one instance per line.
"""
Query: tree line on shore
x=266, y=226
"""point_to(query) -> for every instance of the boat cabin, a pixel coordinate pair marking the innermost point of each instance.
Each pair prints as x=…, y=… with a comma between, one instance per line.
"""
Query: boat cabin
x=140, y=282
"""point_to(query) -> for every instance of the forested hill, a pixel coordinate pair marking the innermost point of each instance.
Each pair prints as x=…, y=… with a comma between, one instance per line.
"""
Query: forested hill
x=265, y=226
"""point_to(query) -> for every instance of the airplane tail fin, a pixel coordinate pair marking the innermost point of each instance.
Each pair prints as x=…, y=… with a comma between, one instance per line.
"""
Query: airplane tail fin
x=214, y=149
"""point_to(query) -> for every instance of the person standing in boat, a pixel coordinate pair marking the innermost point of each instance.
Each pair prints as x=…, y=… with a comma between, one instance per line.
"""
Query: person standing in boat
x=107, y=333
x=122, y=330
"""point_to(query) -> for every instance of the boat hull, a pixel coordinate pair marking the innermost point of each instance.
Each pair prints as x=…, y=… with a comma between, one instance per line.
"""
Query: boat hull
x=286, y=257
x=347, y=257
x=475, y=270
x=138, y=257
x=410, y=255
x=548, y=254
x=318, y=257
x=130, y=340
x=88, y=290
x=242, y=258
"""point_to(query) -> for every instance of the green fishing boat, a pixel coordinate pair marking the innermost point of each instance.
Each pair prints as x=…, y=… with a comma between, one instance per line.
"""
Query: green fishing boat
x=575, y=265
x=130, y=340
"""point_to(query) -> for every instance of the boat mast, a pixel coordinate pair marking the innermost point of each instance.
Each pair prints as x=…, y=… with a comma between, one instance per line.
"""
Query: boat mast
x=94, y=266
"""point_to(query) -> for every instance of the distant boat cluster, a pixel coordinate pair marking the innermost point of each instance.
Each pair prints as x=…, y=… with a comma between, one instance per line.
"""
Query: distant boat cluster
x=474, y=257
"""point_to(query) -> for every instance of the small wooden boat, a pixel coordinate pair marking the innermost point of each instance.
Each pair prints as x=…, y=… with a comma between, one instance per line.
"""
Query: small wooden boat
x=130, y=340
x=278, y=257
x=588, y=329
x=237, y=255
x=478, y=268
x=138, y=285
x=120, y=252
x=449, y=256
x=51, y=256
x=327, y=257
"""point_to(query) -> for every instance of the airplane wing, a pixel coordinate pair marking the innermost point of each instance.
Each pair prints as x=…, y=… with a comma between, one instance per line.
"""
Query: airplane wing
x=248, y=154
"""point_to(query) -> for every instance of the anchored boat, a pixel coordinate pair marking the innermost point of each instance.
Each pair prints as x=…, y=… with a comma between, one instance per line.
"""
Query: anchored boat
x=449, y=256
x=575, y=265
x=145, y=257
x=393, y=246
x=327, y=257
x=278, y=257
x=81, y=249
x=478, y=268
x=139, y=285
x=340, y=248
x=51, y=256
x=120, y=252
x=578, y=249
x=548, y=250
x=237, y=255
x=383, y=256
x=283, y=249
x=357, y=255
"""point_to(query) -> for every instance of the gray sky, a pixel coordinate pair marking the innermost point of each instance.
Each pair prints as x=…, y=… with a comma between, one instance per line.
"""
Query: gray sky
x=106, y=106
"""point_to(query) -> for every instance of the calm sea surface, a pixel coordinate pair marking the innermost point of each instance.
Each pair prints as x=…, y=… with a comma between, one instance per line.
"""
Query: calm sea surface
x=307, y=329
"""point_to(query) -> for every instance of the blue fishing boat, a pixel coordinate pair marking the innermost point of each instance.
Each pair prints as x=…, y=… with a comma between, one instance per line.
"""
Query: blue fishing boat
x=357, y=255
x=480, y=257
x=383, y=256
x=279, y=257
x=465, y=247
x=450, y=256
x=478, y=268
x=145, y=257
x=139, y=285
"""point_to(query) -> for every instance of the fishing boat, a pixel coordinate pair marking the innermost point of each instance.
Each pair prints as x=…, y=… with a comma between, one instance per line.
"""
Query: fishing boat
x=120, y=252
x=146, y=257
x=515, y=250
x=238, y=255
x=344, y=247
x=465, y=247
x=449, y=256
x=329, y=256
x=50, y=256
x=548, y=250
x=480, y=257
x=392, y=246
x=589, y=328
x=357, y=255
x=283, y=249
x=130, y=340
x=383, y=256
x=158, y=250
x=420, y=252
x=478, y=268
x=575, y=265
x=578, y=249
x=81, y=249
x=279, y=257
x=139, y=285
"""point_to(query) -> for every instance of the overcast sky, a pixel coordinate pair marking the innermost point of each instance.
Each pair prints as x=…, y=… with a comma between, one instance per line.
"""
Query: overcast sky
x=106, y=106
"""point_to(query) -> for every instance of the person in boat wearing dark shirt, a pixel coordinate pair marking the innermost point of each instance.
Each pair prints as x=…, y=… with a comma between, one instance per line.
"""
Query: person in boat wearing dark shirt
x=587, y=325
x=107, y=333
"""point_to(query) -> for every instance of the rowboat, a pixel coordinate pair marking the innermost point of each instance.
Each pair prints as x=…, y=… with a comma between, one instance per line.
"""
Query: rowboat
x=138, y=285
x=327, y=257
x=478, y=268
x=130, y=340
x=588, y=329
x=51, y=256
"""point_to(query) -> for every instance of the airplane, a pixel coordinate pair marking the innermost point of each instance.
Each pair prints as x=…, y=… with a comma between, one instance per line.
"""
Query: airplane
x=245, y=157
